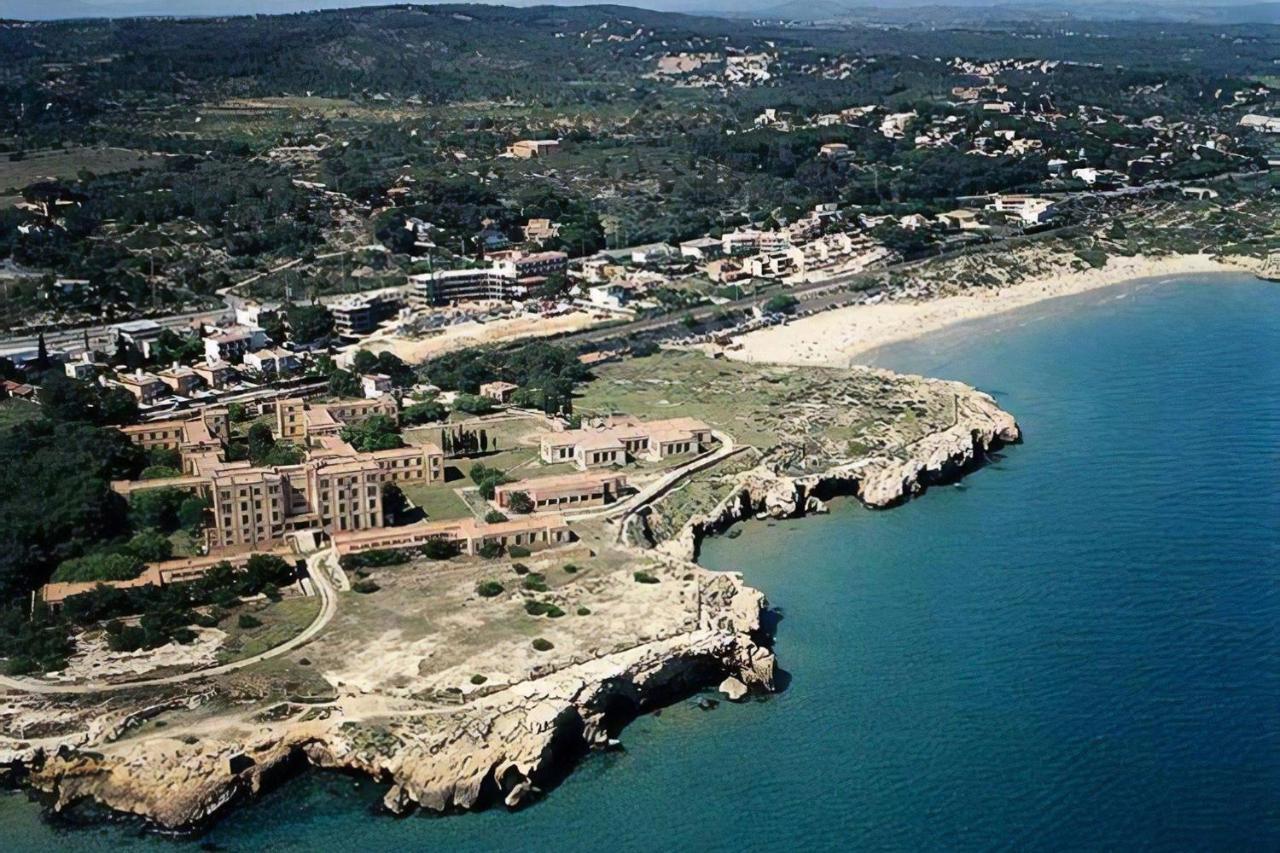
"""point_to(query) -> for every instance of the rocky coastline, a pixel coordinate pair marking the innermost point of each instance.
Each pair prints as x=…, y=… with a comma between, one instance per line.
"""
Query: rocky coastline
x=878, y=481
x=504, y=743
x=507, y=746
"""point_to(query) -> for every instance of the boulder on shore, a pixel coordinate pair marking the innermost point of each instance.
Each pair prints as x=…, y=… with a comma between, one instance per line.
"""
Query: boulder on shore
x=734, y=689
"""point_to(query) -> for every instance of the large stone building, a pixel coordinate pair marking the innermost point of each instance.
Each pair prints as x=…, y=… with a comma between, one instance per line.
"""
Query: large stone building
x=335, y=488
x=467, y=534
x=360, y=314
x=592, y=488
x=510, y=276
x=619, y=440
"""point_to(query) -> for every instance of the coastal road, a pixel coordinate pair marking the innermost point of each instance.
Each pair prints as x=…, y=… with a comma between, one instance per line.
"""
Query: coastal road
x=324, y=583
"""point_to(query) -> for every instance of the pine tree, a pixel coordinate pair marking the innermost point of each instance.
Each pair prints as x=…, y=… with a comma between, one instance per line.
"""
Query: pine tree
x=484, y=441
x=42, y=353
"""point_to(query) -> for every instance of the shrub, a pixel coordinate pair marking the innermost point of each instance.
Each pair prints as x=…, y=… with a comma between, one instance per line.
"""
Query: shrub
x=421, y=413
x=583, y=611
x=571, y=568
x=520, y=568
x=478, y=679
x=151, y=546
x=439, y=549
x=519, y=551
x=98, y=567
x=365, y=586
x=472, y=404
x=488, y=589
x=534, y=607
x=248, y=620
x=159, y=472
x=534, y=582
x=375, y=558
x=644, y=577
x=489, y=550
x=542, y=645
x=554, y=612
x=494, y=517
x=521, y=503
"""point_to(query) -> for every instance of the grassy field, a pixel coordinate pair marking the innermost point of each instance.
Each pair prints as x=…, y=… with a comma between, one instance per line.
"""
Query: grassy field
x=69, y=162
x=439, y=502
x=280, y=621
x=812, y=414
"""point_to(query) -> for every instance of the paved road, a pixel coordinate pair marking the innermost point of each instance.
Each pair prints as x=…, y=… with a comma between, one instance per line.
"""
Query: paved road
x=328, y=607
x=98, y=335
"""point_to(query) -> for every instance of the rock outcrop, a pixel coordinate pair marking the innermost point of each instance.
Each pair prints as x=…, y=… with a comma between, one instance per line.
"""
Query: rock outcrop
x=878, y=480
x=506, y=746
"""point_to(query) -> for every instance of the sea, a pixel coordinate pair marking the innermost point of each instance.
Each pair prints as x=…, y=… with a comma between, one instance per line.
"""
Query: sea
x=1075, y=648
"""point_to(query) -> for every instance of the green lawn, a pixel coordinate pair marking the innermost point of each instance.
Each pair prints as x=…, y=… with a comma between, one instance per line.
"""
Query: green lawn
x=439, y=502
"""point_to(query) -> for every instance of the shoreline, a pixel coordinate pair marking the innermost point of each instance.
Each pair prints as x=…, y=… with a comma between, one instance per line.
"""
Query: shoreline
x=843, y=336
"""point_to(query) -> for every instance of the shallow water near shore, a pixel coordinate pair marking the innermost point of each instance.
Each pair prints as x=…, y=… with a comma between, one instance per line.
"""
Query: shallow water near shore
x=1077, y=647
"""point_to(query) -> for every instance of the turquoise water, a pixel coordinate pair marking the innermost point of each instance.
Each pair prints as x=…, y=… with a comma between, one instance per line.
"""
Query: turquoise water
x=1077, y=648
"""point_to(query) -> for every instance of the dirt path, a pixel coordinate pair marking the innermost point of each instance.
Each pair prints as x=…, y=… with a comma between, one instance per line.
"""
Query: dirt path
x=328, y=607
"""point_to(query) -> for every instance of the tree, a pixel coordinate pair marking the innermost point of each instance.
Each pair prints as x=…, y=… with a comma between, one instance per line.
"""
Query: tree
x=377, y=432
x=487, y=479
x=781, y=303
x=261, y=442
x=191, y=513
x=473, y=404
x=66, y=399
x=343, y=384
x=150, y=546
x=156, y=508
x=364, y=362
x=394, y=503
x=55, y=496
x=42, y=353
x=494, y=517
x=272, y=323
x=308, y=323
x=100, y=566
x=520, y=502
x=424, y=412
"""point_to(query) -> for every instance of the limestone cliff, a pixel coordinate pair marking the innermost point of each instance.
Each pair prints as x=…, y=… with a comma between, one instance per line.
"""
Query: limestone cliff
x=878, y=480
x=505, y=746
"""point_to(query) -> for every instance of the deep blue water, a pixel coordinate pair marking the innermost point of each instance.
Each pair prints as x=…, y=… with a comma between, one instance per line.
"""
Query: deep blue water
x=1077, y=648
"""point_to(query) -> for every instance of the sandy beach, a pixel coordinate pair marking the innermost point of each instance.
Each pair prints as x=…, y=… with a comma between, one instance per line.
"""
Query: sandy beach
x=839, y=337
